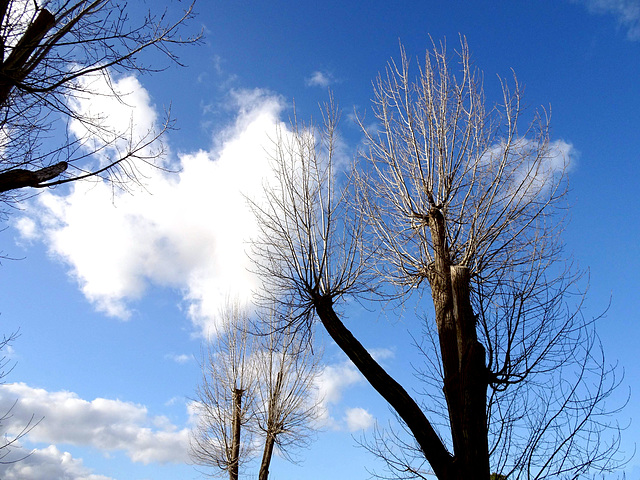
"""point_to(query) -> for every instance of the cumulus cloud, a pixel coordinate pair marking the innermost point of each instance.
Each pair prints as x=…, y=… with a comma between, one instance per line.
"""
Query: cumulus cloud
x=335, y=378
x=104, y=424
x=331, y=384
x=358, y=419
x=319, y=79
x=187, y=231
x=627, y=13
x=49, y=463
x=120, y=110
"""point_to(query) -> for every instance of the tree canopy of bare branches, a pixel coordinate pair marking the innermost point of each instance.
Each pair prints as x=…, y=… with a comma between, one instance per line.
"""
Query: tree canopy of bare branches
x=457, y=199
x=50, y=51
x=256, y=391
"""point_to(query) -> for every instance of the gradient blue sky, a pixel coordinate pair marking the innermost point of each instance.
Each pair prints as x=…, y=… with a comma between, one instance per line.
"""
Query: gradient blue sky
x=111, y=294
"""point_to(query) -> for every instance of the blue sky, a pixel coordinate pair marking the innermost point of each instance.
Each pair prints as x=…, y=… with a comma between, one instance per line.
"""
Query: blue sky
x=112, y=293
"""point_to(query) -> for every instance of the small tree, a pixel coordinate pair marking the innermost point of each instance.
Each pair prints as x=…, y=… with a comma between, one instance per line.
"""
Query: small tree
x=458, y=199
x=224, y=398
x=49, y=53
x=256, y=390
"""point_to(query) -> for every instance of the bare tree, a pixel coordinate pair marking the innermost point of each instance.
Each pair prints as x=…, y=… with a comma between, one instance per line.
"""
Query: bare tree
x=225, y=398
x=50, y=51
x=260, y=385
x=287, y=368
x=457, y=198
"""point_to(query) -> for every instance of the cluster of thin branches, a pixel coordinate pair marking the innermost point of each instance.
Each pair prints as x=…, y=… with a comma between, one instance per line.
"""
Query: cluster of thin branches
x=310, y=241
x=52, y=52
x=11, y=440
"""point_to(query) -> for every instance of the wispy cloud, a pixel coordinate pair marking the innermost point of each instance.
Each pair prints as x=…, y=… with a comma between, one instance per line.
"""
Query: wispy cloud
x=104, y=424
x=626, y=11
x=320, y=79
x=179, y=358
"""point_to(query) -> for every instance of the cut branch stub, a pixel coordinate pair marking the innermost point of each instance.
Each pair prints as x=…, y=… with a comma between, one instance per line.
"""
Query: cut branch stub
x=20, y=177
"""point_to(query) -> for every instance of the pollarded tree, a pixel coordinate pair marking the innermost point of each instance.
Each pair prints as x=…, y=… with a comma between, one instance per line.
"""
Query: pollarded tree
x=224, y=398
x=51, y=52
x=455, y=199
x=257, y=391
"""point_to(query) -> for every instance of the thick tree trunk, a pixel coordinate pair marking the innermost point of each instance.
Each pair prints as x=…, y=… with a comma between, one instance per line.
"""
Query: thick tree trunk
x=472, y=417
x=234, y=460
x=463, y=358
x=441, y=292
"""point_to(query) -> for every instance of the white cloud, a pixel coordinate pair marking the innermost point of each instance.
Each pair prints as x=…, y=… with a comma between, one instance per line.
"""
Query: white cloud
x=47, y=463
x=335, y=378
x=190, y=233
x=104, y=424
x=27, y=228
x=179, y=358
x=381, y=354
x=538, y=177
x=319, y=79
x=330, y=385
x=358, y=419
x=626, y=11
x=532, y=169
x=115, y=120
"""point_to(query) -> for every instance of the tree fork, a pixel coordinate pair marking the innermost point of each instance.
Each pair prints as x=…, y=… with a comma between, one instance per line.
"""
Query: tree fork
x=442, y=294
x=463, y=357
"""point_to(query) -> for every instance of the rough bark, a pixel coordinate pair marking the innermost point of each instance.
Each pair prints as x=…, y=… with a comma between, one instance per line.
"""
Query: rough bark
x=439, y=277
x=473, y=455
x=20, y=177
x=463, y=357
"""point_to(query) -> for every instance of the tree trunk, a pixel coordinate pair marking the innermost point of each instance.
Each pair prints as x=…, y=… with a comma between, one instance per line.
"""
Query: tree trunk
x=266, y=457
x=440, y=281
x=16, y=67
x=234, y=460
x=463, y=358
x=472, y=418
x=273, y=429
